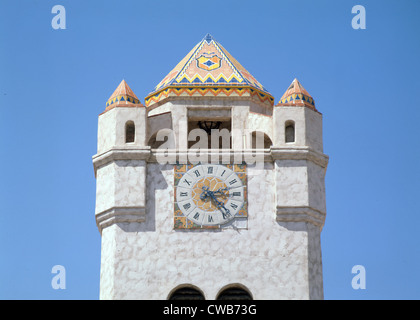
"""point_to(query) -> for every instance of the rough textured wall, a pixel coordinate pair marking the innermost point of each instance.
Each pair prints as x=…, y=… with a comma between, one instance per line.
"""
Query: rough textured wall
x=147, y=260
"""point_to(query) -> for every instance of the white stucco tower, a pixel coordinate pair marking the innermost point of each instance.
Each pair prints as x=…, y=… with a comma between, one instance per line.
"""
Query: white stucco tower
x=209, y=190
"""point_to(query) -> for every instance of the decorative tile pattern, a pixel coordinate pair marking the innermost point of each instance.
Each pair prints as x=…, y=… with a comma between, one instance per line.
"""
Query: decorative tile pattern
x=297, y=95
x=122, y=95
x=208, y=64
x=210, y=91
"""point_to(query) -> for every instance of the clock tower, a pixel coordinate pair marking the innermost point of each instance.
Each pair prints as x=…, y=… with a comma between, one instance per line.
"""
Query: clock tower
x=210, y=190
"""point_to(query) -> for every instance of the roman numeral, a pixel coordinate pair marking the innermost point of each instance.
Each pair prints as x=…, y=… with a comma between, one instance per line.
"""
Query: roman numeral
x=210, y=170
x=226, y=214
x=197, y=173
x=183, y=194
x=223, y=173
x=210, y=219
x=236, y=194
x=197, y=215
x=187, y=182
x=233, y=181
x=233, y=206
x=187, y=206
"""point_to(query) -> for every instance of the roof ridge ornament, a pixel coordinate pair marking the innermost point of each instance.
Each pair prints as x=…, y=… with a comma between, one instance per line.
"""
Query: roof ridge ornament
x=208, y=38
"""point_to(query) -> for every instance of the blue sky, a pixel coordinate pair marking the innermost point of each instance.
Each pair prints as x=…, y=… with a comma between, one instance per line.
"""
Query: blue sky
x=54, y=84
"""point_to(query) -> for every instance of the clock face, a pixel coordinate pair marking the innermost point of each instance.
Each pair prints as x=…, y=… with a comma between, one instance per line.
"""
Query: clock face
x=210, y=195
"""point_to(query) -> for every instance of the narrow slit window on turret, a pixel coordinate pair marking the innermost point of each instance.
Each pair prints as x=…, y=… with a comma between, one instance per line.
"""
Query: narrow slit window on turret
x=130, y=131
x=290, y=131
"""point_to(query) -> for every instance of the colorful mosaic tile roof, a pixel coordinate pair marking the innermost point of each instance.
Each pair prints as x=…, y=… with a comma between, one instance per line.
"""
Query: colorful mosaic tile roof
x=123, y=96
x=296, y=94
x=207, y=69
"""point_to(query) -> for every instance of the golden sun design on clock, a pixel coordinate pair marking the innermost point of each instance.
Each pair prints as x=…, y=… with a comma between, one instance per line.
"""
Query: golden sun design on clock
x=212, y=183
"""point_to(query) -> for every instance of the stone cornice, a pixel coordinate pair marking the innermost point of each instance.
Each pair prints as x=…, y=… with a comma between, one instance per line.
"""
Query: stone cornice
x=119, y=214
x=300, y=153
x=300, y=214
x=226, y=156
x=223, y=155
x=130, y=153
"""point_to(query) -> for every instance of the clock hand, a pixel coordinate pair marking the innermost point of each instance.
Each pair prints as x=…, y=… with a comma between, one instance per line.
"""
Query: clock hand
x=222, y=190
x=205, y=192
x=226, y=213
x=220, y=205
